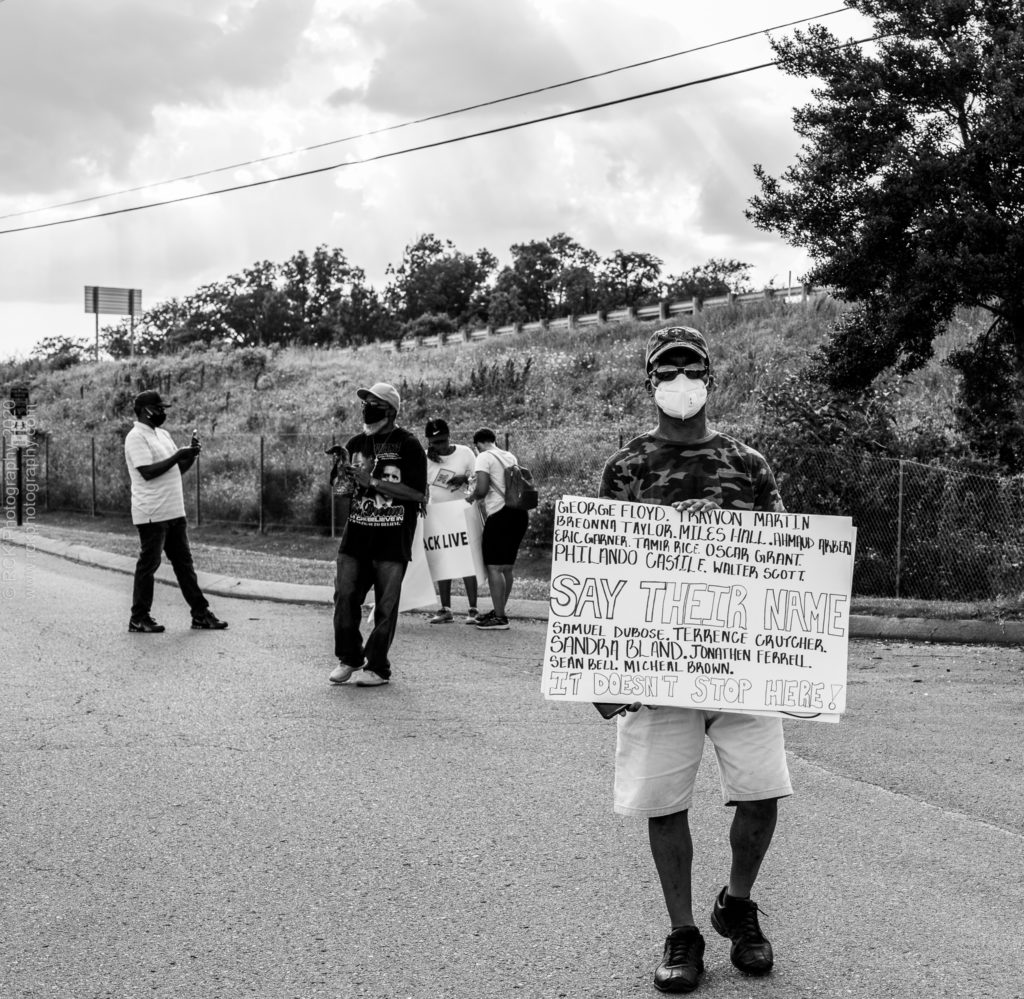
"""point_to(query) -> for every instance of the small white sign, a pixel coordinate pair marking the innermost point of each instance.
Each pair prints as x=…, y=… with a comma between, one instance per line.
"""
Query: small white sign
x=21, y=435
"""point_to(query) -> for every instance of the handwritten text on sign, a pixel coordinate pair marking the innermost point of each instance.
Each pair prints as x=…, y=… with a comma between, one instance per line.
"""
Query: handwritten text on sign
x=721, y=610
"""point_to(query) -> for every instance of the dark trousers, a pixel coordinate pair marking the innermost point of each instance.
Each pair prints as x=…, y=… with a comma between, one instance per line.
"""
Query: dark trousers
x=171, y=538
x=352, y=583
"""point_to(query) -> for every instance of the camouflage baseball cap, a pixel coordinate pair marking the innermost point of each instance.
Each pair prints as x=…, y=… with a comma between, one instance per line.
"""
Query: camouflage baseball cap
x=664, y=340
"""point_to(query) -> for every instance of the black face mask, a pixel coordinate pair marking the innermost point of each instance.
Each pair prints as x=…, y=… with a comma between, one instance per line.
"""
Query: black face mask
x=156, y=417
x=435, y=452
x=373, y=413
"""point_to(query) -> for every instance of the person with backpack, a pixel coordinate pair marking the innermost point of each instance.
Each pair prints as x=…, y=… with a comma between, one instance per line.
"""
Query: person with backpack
x=505, y=522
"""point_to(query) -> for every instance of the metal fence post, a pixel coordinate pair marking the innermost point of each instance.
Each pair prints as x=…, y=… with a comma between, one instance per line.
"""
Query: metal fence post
x=46, y=479
x=260, y=486
x=92, y=441
x=899, y=530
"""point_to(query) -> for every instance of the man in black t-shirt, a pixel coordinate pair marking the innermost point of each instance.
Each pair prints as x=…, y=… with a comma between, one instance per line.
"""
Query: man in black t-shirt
x=388, y=469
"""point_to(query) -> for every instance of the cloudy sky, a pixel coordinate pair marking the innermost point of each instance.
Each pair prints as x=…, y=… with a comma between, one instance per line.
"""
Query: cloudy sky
x=101, y=97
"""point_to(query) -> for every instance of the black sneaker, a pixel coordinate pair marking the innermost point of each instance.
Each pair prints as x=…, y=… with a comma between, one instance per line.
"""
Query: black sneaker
x=492, y=622
x=683, y=963
x=208, y=621
x=736, y=918
x=145, y=624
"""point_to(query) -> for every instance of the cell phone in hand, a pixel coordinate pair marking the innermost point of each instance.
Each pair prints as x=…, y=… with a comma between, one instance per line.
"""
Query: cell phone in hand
x=610, y=710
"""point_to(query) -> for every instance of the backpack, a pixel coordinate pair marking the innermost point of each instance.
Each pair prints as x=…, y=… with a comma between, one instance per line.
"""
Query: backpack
x=520, y=493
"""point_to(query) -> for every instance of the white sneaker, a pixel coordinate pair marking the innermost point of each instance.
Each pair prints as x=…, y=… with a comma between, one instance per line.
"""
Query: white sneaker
x=472, y=617
x=443, y=616
x=367, y=678
x=341, y=673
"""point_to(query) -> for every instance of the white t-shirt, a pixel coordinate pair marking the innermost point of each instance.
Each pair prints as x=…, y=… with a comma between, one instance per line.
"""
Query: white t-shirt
x=460, y=462
x=490, y=461
x=160, y=498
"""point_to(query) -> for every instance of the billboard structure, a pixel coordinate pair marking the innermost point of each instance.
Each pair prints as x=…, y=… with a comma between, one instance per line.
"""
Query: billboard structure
x=116, y=302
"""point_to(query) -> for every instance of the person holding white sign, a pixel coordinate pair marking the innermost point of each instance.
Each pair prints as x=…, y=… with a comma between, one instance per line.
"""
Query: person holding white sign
x=687, y=465
x=450, y=467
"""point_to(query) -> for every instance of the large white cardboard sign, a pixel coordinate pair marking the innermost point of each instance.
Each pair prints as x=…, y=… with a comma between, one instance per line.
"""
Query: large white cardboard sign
x=452, y=538
x=417, y=588
x=723, y=610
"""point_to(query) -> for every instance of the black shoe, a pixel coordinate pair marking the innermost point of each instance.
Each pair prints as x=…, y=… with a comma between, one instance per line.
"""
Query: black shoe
x=144, y=623
x=683, y=963
x=208, y=621
x=736, y=918
x=492, y=622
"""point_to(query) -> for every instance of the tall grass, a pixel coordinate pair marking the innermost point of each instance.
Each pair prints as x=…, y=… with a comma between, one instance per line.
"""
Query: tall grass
x=576, y=378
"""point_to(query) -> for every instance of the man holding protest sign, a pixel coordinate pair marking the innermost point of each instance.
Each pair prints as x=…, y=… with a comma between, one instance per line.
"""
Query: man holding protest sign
x=684, y=464
x=449, y=468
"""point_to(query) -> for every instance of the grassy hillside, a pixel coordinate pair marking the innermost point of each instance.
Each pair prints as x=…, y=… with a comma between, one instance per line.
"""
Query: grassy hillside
x=566, y=400
x=576, y=379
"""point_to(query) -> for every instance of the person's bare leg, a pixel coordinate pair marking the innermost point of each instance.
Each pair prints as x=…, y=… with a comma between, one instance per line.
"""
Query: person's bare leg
x=672, y=849
x=471, y=589
x=750, y=835
x=444, y=593
x=507, y=572
x=496, y=585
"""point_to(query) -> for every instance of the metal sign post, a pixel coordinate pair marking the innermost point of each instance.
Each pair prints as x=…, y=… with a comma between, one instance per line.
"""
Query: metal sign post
x=117, y=302
x=21, y=438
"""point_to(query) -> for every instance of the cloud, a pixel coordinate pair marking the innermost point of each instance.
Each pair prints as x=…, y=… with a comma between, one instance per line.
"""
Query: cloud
x=436, y=55
x=81, y=81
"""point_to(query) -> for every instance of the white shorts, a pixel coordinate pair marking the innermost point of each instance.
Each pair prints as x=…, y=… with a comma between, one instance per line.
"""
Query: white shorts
x=658, y=752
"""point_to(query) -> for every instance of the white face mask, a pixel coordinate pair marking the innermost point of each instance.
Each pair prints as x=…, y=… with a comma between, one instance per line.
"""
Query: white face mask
x=682, y=397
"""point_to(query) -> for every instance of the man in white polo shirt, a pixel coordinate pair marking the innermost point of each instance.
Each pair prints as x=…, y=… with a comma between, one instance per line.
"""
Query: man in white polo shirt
x=155, y=466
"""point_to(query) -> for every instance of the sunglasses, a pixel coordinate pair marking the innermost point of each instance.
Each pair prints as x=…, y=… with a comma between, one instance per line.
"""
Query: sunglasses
x=666, y=372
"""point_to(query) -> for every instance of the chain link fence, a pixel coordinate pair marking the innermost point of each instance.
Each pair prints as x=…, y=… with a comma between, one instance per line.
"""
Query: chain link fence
x=923, y=531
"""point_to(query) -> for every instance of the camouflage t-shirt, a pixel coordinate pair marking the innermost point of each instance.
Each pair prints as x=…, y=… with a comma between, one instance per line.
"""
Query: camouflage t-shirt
x=720, y=468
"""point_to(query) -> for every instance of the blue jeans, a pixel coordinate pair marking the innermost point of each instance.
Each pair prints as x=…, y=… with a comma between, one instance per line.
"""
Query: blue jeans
x=171, y=538
x=352, y=583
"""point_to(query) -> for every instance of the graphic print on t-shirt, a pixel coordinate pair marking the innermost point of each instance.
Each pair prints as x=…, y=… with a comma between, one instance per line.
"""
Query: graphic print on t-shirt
x=379, y=510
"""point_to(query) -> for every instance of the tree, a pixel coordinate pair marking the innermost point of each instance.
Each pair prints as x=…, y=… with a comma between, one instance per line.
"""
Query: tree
x=316, y=299
x=908, y=194
x=547, y=278
x=60, y=352
x=575, y=289
x=327, y=297
x=522, y=291
x=628, y=279
x=709, y=280
x=165, y=326
x=434, y=277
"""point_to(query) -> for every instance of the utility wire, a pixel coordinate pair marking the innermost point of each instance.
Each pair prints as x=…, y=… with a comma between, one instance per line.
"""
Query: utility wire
x=416, y=149
x=417, y=121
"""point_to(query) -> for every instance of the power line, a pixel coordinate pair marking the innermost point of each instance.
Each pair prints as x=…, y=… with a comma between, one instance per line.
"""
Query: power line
x=408, y=124
x=414, y=149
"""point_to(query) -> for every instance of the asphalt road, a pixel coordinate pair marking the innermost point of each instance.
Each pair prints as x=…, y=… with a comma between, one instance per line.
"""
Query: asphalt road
x=202, y=815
